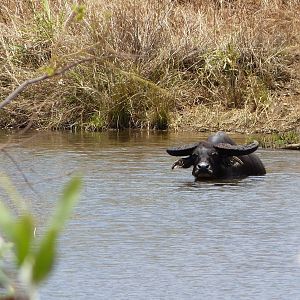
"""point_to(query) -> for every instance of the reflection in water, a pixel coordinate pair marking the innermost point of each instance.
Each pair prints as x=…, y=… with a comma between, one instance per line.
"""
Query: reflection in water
x=143, y=231
x=216, y=182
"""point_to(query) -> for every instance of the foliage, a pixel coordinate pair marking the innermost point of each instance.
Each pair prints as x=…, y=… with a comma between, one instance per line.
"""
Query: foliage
x=279, y=140
x=155, y=60
x=34, y=257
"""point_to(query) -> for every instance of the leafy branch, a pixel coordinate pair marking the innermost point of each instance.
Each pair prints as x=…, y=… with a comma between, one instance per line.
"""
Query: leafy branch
x=34, y=257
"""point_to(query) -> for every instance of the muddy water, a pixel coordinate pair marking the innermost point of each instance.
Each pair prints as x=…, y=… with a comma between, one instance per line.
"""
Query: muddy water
x=143, y=231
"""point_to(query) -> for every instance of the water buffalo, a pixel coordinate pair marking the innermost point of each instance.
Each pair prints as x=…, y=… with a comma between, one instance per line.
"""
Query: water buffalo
x=219, y=157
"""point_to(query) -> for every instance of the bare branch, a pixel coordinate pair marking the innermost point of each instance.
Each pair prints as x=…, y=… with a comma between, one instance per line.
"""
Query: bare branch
x=292, y=146
x=28, y=82
x=21, y=88
x=21, y=171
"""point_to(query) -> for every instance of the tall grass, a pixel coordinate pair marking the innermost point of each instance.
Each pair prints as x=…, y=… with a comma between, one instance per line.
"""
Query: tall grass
x=164, y=63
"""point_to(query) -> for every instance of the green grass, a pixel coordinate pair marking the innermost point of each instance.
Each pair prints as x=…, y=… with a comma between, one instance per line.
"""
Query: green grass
x=279, y=140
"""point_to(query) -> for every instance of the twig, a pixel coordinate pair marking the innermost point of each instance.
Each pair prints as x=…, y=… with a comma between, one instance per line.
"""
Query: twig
x=66, y=68
x=21, y=171
x=28, y=82
x=291, y=146
x=21, y=88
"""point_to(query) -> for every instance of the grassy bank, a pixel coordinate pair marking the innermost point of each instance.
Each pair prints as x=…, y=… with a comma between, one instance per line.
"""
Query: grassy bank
x=203, y=65
x=285, y=140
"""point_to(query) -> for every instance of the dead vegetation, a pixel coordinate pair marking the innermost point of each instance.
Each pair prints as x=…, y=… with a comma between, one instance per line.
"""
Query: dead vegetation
x=202, y=65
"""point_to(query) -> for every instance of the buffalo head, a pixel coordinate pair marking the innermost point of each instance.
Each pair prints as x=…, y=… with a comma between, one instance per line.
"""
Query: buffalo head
x=218, y=157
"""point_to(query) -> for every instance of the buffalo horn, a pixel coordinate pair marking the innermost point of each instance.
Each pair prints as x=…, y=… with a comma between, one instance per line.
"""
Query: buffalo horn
x=236, y=150
x=184, y=150
x=237, y=160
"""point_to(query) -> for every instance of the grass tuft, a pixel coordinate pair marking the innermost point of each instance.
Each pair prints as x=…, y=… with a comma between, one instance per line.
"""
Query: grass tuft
x=232, y=65
x=279, y=140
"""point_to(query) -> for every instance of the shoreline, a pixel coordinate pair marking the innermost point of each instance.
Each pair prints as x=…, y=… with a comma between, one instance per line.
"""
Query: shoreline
x=288, y=139
x=179, y=65
x=279, y=118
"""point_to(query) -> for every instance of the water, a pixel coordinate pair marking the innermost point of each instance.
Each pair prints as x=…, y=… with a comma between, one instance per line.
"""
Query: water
x=143, y=231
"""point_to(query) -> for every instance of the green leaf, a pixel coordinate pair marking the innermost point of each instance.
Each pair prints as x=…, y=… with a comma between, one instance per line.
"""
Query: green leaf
x=6, y=220
x=19, y=231
x=80, y=11
x=44, y=257
x=23, y=231
x=9, y=188
x=49, y=70
x=47, y=10
x=66, y=203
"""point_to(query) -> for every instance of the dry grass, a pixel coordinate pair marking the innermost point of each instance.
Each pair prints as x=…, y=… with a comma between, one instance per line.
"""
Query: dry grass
x=231, y=65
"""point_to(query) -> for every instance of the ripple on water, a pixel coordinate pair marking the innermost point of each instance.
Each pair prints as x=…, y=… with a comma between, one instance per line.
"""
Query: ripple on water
x=143, y=231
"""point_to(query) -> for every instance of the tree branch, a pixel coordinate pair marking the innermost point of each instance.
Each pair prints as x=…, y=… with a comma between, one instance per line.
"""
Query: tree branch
x=291, y=146
x=21, y=172
x=28, y=82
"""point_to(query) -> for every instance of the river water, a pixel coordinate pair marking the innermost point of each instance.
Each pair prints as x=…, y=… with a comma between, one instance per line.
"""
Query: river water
x=143, y=231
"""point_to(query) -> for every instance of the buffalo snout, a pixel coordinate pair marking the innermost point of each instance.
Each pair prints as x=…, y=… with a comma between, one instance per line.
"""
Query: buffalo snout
x=203, y=169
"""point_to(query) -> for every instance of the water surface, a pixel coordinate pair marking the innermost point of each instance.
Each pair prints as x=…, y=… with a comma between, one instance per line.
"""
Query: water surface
x=143, y=231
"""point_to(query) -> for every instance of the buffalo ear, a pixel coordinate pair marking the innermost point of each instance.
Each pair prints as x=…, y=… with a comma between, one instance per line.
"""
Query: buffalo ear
x=236, y=150
x=184, y=150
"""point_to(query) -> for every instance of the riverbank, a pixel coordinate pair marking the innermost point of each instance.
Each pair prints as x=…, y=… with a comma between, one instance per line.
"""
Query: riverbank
x=180, y=65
